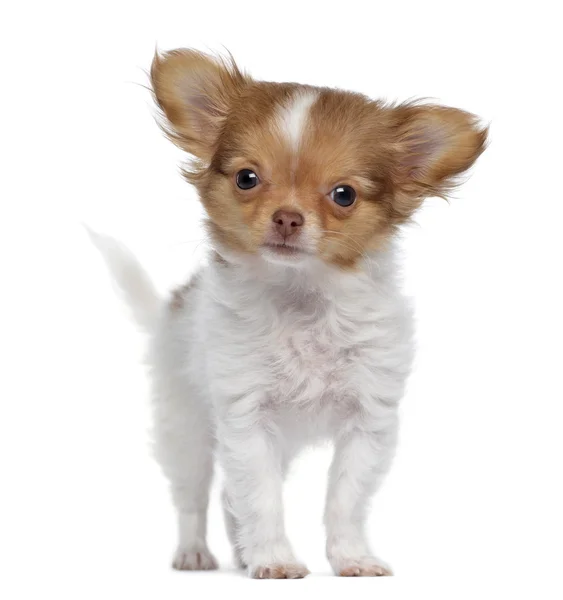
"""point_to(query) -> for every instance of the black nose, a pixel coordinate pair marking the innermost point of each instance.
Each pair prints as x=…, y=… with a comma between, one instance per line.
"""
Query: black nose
x=287, y=223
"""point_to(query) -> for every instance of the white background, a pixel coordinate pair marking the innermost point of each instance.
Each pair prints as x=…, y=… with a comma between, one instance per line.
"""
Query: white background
x=473, y=506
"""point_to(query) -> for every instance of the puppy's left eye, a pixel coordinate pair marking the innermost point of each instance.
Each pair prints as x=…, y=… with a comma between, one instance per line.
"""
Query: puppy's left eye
x=343, y=195
x=247, y=179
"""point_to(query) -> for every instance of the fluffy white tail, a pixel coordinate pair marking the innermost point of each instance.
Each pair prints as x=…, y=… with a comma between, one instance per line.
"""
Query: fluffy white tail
x=130, y=278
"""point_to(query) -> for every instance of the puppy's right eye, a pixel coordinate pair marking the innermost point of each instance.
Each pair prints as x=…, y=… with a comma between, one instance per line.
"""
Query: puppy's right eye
x=247, y=179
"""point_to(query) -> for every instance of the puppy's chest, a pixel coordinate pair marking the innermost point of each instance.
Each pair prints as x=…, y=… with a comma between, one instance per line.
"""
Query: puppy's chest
x=309, y=361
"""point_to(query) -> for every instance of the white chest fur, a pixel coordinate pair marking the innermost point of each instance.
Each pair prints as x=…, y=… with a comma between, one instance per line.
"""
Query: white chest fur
x=311, y=345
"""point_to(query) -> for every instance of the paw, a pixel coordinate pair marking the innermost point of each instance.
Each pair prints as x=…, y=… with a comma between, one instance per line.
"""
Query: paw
x=361, y=567
x=279, y=571
x=194, y=559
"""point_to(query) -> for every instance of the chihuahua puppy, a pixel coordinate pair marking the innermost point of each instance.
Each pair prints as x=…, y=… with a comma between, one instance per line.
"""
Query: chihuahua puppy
x=296, y=330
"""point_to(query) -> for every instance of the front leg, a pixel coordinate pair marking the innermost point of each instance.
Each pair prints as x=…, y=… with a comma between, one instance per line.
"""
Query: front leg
x=253, y=462
x=362, y=456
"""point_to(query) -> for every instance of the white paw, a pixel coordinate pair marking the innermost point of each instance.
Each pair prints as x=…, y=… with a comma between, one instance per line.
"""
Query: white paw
x=194, y=559
x=279, y=571
x=366, y=566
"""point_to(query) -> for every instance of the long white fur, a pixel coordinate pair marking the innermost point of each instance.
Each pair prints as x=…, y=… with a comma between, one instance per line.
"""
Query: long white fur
x=261, y=360
x=129, y=277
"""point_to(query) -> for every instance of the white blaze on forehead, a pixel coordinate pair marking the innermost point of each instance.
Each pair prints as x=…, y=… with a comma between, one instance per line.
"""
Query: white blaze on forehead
x=291, y=118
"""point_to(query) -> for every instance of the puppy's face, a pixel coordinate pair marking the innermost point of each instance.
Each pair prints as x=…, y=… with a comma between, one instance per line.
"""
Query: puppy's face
x=292, y=173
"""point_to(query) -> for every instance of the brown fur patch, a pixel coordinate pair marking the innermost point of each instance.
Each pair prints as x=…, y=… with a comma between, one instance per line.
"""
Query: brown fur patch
x=178, y=295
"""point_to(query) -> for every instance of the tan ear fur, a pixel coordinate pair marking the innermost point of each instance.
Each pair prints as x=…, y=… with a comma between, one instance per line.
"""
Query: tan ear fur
x=434, y=144
x=195, y=92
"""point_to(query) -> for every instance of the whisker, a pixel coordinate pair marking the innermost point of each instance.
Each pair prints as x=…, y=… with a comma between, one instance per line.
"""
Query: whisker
x=356, y=247
x=197, y=246
x=184, y=242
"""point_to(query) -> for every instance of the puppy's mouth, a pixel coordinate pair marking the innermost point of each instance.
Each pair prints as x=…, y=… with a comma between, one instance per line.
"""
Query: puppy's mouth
x=285, y=250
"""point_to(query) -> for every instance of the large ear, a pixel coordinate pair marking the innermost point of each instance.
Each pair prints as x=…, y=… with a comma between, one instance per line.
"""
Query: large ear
x=434, y=145
x=195, y=92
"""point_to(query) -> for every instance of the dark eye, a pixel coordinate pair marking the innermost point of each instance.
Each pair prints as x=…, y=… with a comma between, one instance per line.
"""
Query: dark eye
x=343, y=195
x=247, y=179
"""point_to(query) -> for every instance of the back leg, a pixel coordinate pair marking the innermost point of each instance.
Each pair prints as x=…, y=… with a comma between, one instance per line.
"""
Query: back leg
x=184, y=447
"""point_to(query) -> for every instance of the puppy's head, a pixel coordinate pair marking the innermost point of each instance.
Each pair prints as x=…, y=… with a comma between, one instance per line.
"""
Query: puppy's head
x=291, y=172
